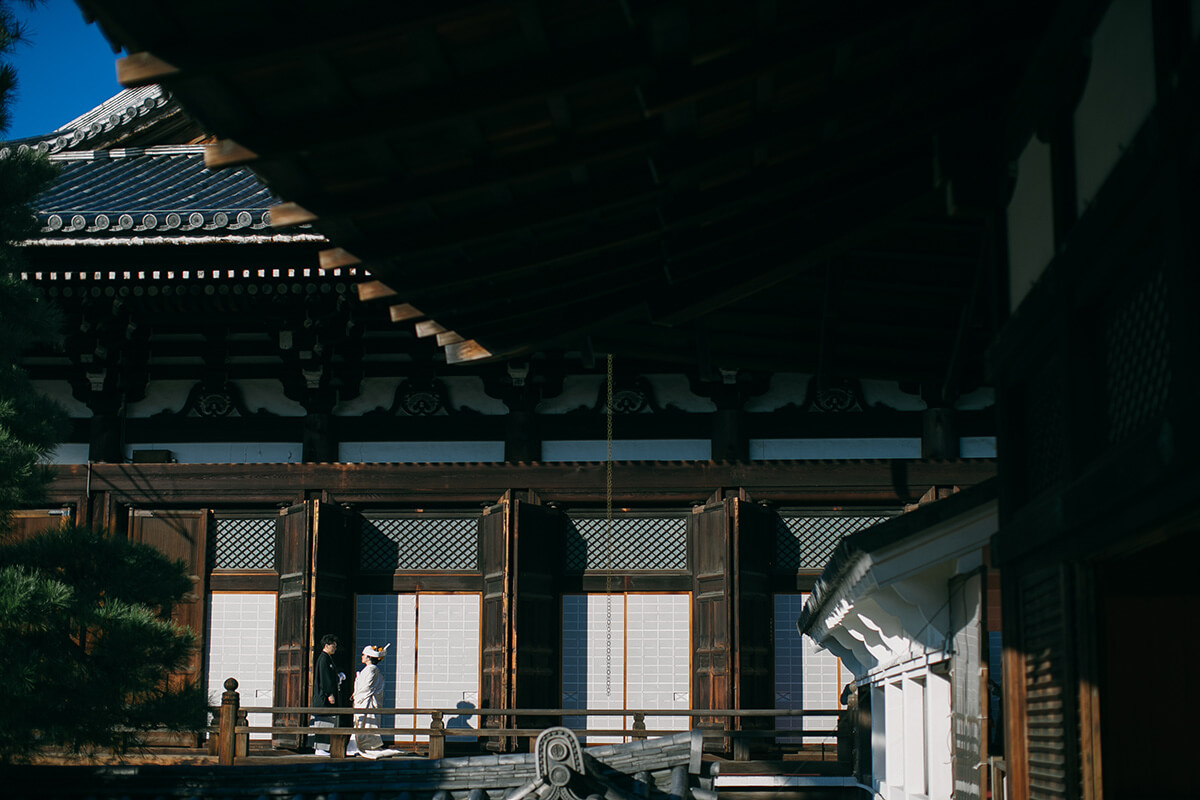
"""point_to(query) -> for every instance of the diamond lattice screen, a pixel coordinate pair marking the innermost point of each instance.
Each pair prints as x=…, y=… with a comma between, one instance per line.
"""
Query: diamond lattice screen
x=631, y=543
x=808, y=542
x=1138, y=351
x=420, y=543
x=242, y=543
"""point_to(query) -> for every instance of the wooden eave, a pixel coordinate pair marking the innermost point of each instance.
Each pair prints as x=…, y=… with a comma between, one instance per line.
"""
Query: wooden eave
x=537, y=175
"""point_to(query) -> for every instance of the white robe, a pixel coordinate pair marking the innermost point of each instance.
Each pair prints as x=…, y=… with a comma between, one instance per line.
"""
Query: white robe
x=368, y=689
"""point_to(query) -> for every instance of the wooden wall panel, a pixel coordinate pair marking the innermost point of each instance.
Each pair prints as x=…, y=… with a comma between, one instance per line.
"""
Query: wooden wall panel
x=293, y=649
x=180, y=535
x=753, y=612
x=712, y=667
x=495, y=546
x=29, y=522
x=537, y=630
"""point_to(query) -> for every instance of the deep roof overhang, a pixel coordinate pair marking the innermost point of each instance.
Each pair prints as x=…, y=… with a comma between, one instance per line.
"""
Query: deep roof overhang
x=804, y=187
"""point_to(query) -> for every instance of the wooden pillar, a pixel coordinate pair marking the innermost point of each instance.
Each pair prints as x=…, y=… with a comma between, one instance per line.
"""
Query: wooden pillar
x=939, y=434
x=729, y=442
x=319, y=444
x=522, y=436
x=105, y=442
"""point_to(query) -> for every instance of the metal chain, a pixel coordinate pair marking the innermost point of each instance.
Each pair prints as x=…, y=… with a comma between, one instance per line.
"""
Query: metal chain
x=610, y=546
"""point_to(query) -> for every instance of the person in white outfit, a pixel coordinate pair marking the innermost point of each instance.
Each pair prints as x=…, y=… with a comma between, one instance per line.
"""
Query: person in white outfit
x=368, y=691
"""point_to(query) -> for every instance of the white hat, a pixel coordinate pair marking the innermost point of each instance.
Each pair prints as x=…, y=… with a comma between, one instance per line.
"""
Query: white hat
x=376, y=652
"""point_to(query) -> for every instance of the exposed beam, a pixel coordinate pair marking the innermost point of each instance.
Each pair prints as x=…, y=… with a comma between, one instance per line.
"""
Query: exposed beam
x=143, y=69
x=227, y=153
x=374, y=290
x=335, y=257
x=403, y=312
x=286, y=215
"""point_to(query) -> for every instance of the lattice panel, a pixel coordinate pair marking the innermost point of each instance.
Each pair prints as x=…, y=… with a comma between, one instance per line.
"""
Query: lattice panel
x=420, y=543
x=242, y=543
x=632, y=543
x=1044, y=413
x=808, y=542
x=1137, y=359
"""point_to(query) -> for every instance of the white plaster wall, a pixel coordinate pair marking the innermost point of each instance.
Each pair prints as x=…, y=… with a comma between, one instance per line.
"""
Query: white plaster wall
x=890, y=395
x=628, y=450
x=791, y=388
x=879, y=742
x=461, y=392
x=419, y=452
x=467, y=392
x=373, y=393
x=893, y=724
x=1120, y=91
x=676, y=390
x=913, y=690
x=60, y=391
x=1030, y=221
x=821, y=449
x=784, y=388
x=241, y=645
x=578, y=390
x=977, y=447
x=983, y=397
x=257, y=393
x=939, y=737
x=225, y=452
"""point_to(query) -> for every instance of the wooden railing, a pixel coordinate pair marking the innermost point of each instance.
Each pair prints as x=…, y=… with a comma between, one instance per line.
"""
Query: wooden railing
x=232, y=731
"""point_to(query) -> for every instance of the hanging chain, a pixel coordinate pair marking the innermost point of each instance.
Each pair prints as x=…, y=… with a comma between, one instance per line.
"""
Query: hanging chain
x=610, y=546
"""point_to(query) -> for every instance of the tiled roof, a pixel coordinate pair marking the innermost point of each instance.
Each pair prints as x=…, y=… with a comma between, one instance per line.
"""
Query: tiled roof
x=121, y=114
x=160, y=191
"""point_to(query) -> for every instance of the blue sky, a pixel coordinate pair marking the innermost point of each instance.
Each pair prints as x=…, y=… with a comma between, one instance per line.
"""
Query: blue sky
x=66, y=69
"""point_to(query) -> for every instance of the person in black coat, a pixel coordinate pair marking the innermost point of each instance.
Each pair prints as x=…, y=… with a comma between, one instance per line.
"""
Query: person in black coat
x=327, y=680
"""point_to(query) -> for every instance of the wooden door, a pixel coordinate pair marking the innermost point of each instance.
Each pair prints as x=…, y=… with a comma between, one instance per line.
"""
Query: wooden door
x=495, y=545
x=521, y=550
x=335, y=560
x=180, y=535
x=293, y=562
x=538, y=537
x=712, y=609
x=753, y=548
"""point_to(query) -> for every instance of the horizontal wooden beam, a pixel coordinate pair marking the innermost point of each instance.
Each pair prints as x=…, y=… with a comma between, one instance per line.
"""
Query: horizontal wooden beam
x=428, y=328
x=143, y=69
x=227, y=153
x=374, y=290
x=466, y=351
x=402, y=312
x=285, y=215
x=846, y=483
x=449, y=337
x=335, y=257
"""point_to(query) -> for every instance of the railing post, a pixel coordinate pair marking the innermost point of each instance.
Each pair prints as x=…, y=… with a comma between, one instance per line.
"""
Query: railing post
x=639, y=725
x=242, y=740
x=437, y=736
x=228, y=719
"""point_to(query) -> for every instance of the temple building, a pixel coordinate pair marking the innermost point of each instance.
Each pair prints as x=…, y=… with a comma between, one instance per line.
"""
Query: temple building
x=688, y=356
x=321, y=469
